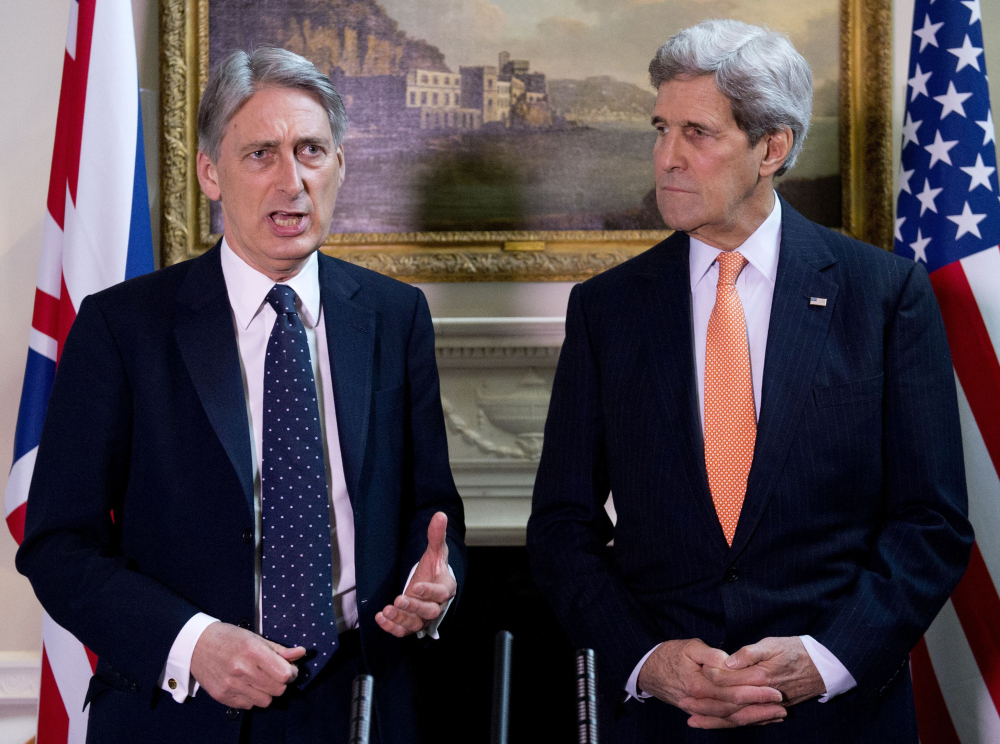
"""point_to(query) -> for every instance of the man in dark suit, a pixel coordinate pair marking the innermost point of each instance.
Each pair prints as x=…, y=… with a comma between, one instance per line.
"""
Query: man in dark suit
x=773, y=408
x=243, y=479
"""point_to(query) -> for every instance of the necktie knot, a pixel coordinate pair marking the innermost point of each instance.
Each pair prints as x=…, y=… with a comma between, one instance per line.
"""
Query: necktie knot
x=282, y=299
x=731, y=264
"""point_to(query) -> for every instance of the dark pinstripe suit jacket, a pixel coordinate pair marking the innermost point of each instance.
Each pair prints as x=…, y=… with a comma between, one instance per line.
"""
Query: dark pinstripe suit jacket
x=854, y=525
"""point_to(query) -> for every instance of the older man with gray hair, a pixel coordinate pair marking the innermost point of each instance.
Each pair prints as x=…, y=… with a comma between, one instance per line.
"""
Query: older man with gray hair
x=773, y=407
x=242, y=497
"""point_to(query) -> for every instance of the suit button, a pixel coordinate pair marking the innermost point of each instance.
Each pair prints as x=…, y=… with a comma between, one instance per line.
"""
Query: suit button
x=248, y=535
x=245, y=624
x=232, y=714
x=731, y=575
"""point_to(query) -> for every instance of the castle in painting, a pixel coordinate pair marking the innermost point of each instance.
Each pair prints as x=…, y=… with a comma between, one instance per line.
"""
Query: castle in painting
x=389, y=80
x=503, y=96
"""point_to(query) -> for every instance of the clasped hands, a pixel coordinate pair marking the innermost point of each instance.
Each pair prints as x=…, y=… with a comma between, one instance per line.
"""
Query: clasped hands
x=241, y=669
x=754, y=686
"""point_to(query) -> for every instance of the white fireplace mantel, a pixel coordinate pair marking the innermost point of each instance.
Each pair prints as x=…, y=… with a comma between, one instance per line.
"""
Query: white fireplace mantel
x=496, y=378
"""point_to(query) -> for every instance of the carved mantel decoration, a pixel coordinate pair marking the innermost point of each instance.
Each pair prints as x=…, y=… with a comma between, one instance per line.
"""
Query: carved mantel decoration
x=496, y=379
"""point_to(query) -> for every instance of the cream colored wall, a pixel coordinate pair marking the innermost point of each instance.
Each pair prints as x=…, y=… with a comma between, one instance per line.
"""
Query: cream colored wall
x=32, y=40
x=32, y=36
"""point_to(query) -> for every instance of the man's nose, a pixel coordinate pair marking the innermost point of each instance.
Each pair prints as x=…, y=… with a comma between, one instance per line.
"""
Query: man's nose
x=668, y=154
x=289, y=177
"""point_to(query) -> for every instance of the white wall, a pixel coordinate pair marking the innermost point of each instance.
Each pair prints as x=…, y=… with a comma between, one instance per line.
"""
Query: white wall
x=32, y=42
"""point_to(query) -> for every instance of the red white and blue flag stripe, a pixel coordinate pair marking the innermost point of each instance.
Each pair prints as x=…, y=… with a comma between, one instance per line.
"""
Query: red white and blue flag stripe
x=97, y=233
x=948, y=217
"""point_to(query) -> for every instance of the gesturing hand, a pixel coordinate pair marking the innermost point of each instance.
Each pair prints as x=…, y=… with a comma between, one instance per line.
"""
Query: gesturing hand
x=240, y=669
x=781, y=663
x=429, y=589
x=674, y=673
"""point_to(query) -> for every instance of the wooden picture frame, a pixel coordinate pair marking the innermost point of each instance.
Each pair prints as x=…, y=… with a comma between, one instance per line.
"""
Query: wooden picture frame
x=551, y=255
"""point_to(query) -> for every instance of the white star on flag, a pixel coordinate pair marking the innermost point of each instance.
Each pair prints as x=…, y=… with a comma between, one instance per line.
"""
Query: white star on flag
x=967, y=222
x=927, y=197
x=967, y=55
x=991, y=135
x=899, y=224
x=928, y=34
x=973, y=5
x=939, y=149
x=919, y=83
x=952, y=101
x=904, y=180
x=980, y=174
x=910, y=131
x=920, y=247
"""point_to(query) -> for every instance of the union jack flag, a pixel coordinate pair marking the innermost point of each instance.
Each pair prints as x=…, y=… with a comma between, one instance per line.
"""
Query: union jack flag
x=948, y=217
x=96, y=233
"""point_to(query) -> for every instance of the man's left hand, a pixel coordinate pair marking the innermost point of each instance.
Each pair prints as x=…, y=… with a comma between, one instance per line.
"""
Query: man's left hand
x=781, y=663
x=429, y=589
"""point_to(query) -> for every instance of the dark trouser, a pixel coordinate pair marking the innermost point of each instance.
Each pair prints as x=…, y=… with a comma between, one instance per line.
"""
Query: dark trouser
x=318, y=714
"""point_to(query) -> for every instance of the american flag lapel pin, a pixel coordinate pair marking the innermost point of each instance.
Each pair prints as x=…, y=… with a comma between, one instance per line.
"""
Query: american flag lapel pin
x=817, y=301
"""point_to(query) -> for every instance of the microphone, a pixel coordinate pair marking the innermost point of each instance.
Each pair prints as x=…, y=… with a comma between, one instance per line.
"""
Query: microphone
x=361, y=709
x=501, y=687
x=586, y=696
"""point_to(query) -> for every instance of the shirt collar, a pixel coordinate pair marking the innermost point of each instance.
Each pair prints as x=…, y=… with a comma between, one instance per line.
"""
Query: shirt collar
x=248, y=288
x=760, y=249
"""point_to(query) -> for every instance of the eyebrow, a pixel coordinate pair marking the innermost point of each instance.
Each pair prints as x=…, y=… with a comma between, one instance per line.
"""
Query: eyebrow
x=684, y=124
x=324, y=141
x=259, y=145
x=266, y=144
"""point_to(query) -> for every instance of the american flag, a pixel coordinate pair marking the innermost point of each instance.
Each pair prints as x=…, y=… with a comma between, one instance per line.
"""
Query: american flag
x=96, y=233
x=948, y=217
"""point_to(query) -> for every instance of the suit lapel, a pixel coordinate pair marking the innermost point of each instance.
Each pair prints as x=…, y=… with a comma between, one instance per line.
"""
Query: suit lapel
x=207, y=341
x=795, y=339
x=665, y=295
x=350, y=334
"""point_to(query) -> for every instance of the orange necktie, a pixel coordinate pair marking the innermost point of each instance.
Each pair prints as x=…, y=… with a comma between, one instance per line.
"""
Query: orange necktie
x=730, y=419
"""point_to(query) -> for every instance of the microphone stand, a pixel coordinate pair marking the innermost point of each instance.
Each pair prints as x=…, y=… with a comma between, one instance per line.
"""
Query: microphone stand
x=586, y=696
x=361, y=709
x=501, y=687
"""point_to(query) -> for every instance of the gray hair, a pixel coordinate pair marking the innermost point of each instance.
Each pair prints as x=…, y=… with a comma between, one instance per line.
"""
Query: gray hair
x=241, y=74
x=767, y=82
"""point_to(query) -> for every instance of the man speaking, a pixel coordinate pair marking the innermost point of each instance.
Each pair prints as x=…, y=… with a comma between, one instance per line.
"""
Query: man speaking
x=773, y=407
x=242, y=496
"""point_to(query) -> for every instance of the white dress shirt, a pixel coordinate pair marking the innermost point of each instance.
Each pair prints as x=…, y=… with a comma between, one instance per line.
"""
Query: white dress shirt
x=253, y=319
x=755, y=287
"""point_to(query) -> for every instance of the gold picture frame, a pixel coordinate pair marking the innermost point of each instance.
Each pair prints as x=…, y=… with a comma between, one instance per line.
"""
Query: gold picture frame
x=865, y=166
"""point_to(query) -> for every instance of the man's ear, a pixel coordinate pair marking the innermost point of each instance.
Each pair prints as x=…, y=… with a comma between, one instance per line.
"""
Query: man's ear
x=778, y=145
x=208, y=177
x=341, y=165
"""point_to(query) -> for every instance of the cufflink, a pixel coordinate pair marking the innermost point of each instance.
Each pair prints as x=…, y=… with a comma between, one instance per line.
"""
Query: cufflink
x=817, y=301
x=172, y=684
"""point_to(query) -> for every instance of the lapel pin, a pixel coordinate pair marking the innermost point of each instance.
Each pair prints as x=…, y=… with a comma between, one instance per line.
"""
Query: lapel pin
x=817, y=301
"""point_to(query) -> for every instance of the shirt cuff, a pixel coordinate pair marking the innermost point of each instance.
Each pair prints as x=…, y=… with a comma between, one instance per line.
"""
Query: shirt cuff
x=835, y=675
x=432, y=628
x=631, y=686
x=176, y=678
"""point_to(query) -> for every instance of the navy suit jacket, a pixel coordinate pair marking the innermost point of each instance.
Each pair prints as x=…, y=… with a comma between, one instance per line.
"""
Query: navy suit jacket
x=853, y=528
x=140, y=512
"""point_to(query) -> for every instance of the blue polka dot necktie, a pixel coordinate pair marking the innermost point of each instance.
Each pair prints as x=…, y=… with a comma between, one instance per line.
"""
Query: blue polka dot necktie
x=296, y=562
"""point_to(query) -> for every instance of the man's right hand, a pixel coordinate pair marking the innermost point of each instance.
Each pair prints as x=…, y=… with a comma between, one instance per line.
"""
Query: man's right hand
x=673, y=673
x=240, y=669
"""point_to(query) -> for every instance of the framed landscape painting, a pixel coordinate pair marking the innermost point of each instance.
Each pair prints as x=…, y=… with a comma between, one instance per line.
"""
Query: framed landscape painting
x=511, y=139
